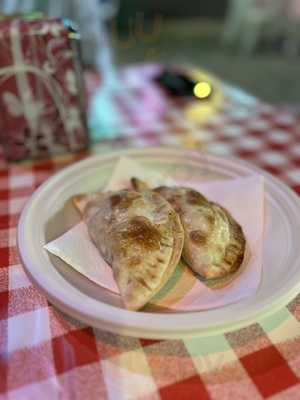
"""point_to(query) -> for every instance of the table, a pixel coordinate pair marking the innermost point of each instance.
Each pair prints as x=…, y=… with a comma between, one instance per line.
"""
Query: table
x=46, y=354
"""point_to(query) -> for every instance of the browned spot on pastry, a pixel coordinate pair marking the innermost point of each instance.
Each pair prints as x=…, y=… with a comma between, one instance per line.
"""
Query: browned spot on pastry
x=161, y=189
x=134, y=261
x=122, y=199
x=176, y=198
x=115, y=200
x=138, y=184
x=238, y=262
x=210, y=219
x=231, y=253
x=193, y=197
x=171, y=196
x=175, y=201
x=237, y=233
x=234, y=255
x=141, y=232
x=160, y=260
x=198, y=238
x=142, y=282
x=177, y=207
x=235, y=228
x=164, y=191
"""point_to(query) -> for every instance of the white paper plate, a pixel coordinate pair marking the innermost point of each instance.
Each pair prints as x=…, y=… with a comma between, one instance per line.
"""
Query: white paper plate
x=49, y=213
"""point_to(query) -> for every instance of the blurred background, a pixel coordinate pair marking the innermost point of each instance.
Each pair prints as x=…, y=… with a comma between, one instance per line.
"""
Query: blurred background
x=250, y=43
x=253, y=44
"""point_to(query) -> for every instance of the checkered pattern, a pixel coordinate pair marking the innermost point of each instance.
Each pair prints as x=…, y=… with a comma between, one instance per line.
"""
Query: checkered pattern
x=46, y=354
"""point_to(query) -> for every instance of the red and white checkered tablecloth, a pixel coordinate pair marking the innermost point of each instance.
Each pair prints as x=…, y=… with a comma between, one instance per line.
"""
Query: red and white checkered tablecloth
x=45, y=354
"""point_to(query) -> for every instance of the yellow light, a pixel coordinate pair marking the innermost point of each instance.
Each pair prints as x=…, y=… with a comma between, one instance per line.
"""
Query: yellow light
x=202, y=90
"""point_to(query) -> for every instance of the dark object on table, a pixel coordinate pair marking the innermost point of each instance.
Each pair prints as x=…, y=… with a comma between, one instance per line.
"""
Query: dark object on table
x=42, y=107
x=179, y=84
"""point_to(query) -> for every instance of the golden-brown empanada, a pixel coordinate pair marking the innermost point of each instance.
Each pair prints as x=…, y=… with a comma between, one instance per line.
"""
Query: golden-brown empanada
x=214, y=243
x=139, y=235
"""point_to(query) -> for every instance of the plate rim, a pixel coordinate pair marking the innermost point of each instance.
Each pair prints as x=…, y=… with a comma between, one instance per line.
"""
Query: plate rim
x=108, y=311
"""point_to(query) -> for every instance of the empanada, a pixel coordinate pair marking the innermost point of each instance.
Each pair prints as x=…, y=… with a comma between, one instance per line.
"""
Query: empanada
x=214, y=243
x=139, y=235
